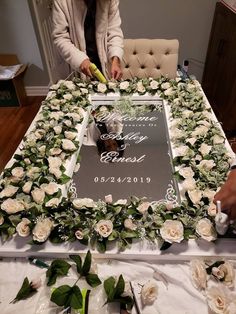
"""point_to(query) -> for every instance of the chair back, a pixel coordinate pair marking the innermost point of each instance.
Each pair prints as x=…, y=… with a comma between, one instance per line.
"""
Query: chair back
x=150, y=58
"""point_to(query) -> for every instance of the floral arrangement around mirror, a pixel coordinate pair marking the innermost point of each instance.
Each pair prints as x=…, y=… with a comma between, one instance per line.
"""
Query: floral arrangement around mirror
x=32, y=188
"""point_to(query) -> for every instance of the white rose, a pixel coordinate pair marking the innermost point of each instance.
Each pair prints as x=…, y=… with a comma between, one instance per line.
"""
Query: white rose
x=33, y=171
x=149, y=293
x=195, y=196
x=84, y=91
x=23, y=228
x=57, y=129
x=204, y=122
x=121, y=202
x=42, y=229
x=77, y=167
x=83, y=202
x=198, y=157
x=56, y=115
x=9, y=191
x=218, y=139
x=206, y=230
x=50, y=188
x=79, y=234
x=67, y=123
x=209, y=194
x=211, y=210
x=108, y=199
x=53, y=202
x=76, y=93
x=128, y=223
x=143, y=207
x=56, y=172
x=218, y=299
x=27, y=161
x=140, y=87
x=154, y=84
x=186, y=172
x=181, y=151
x=54, y=162
x=205, y=149
x=191, y=140
x=102, y=88
x=177, y=134
x=36, y=283
x=229, y=274
x=175, y=123
x=206, y=164
x=38, y=195
x=67, y=96
x=70, y=135
x=188, y=184
x=172, y=231
x=112, y=85
x=18, y=172
x=55, y=102
x=124, y=85
x=39, y=133
x=70, y=85
x=219, y=274
x=12, y=206
x=165, y=85
x=27, y=187
x=187, y=113
x=104, y=228
x=42, y=149
x=1, y=220
x=200, y=131
x=68, y=145
x=55, y=151
x=198, y=274
x=75, y=116
x=169, y=206
x=169, y=92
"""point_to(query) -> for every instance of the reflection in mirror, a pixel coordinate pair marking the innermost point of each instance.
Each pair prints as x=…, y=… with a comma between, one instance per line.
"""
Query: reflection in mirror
x=125, y=152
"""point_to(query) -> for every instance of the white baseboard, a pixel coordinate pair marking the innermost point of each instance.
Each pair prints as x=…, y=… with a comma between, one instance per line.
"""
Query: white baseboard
x=36, y=90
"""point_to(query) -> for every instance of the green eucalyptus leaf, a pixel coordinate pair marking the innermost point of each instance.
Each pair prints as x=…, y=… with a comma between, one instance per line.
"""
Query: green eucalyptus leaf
x=114, y=235
x=87, y=264
x=120, y=287
x=128, y=234
x=64, y=179
x=57, y=268
x=25, y=291
x=77, y=259
x=109, y=287
x=68, y=297
x=101, y=246
x=93, y=280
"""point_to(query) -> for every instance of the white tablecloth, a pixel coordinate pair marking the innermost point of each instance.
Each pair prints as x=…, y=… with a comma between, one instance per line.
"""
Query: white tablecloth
x=179, y=296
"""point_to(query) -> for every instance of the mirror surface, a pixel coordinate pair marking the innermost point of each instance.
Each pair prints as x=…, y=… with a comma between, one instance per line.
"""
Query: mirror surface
x=125, y=152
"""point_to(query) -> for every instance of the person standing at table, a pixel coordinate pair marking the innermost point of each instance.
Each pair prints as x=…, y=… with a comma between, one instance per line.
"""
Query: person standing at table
x=227, y=194
x=86, y=31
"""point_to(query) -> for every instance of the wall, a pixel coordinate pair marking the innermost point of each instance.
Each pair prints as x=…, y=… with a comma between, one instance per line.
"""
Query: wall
x=188, y=21
x=17, y=36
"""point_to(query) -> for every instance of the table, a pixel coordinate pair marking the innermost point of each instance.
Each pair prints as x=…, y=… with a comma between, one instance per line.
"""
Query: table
x=63, y=99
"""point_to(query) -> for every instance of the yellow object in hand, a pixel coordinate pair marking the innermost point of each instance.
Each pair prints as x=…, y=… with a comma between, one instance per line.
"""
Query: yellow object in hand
x=96, y=73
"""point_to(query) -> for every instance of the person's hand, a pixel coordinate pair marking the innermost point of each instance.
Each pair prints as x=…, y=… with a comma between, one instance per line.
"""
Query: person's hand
x=84, y=68
x=227, y=195
x=116, y=72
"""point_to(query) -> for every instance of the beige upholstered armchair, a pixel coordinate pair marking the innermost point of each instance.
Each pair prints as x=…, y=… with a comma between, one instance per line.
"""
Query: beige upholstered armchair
x=150, y=58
